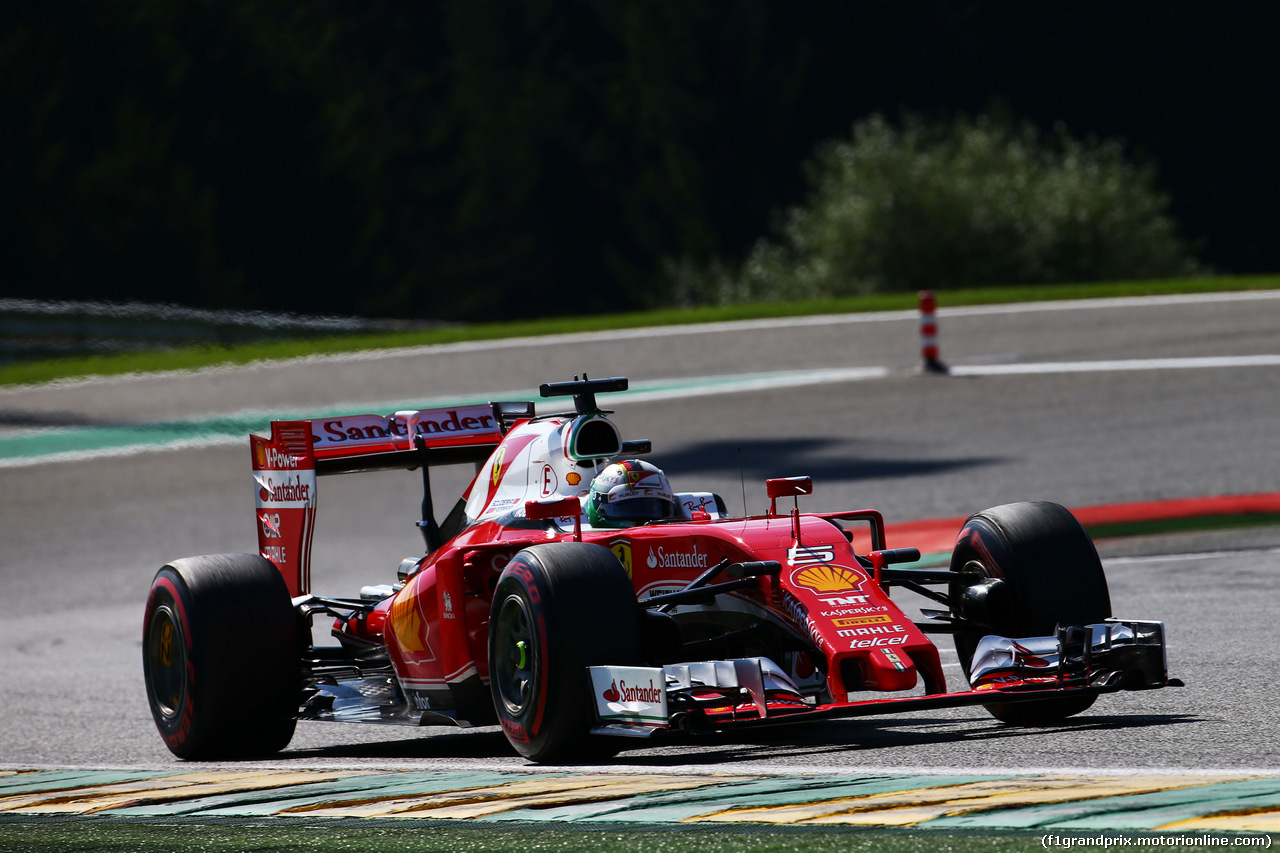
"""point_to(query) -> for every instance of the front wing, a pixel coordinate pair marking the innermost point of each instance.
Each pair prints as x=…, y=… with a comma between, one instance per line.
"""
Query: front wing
x=1080, y=660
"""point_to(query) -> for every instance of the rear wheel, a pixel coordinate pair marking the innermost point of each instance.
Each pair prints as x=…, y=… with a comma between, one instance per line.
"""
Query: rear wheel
x=558, y=609
x=1052, y=576
x=221, y=657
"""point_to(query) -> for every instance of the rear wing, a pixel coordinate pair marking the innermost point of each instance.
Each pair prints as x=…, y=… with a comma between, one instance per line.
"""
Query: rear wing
x=286, y=464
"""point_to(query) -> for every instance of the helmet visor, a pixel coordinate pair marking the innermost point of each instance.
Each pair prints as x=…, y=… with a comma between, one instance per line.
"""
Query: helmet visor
x=635, y=509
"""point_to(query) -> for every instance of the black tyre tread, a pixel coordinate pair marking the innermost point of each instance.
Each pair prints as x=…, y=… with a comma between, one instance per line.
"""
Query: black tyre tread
x=1055, y=577
x=591, y=618
x=245, y=652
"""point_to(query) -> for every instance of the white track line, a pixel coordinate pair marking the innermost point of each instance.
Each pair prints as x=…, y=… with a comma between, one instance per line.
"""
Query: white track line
x=577, y=338
x=1119, y=365
x=641, y=392
x=1190, y=556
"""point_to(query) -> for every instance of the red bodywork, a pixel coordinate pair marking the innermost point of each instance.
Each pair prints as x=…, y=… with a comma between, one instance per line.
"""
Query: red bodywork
x=861, y=648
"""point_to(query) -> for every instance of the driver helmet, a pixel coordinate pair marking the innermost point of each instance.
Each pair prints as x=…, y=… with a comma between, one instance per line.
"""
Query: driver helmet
x=629, y=492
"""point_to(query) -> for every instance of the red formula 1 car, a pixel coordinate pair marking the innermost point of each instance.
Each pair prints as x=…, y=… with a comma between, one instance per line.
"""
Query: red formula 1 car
x=571, y=598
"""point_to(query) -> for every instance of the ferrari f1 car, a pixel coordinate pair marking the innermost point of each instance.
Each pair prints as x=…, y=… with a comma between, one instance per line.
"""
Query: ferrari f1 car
x=573, y=600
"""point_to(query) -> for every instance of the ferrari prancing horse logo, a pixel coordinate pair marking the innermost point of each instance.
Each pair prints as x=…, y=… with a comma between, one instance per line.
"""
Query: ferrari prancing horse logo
x=621, y=549
x=497, y=465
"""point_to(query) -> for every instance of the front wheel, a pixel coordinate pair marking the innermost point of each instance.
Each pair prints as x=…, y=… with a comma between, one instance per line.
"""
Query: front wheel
x=221, y=657
x=558, y=609
x=1053, y=577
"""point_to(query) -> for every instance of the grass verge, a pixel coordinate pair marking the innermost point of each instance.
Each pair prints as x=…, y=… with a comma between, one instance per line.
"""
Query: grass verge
x=435, y=837
x=205, y=356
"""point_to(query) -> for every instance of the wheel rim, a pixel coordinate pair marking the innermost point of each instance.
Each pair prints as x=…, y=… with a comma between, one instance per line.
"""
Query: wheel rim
x=167, y=656
x=515, y=670
x=967, y=641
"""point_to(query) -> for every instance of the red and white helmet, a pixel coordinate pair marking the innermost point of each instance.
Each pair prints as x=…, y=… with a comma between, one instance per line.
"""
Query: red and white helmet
x=629, y=492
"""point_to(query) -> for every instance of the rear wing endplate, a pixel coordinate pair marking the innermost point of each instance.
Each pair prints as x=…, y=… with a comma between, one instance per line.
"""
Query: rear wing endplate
x=286, y=464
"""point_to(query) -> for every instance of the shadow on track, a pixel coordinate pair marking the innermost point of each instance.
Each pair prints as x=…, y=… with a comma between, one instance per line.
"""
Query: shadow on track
x=827, y=459
x=432, y=743
x=40, y=420
x=870, y=738
x=826, y=738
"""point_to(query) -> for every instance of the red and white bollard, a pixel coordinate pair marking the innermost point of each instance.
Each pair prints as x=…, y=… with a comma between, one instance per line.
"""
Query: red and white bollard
x=929, y=333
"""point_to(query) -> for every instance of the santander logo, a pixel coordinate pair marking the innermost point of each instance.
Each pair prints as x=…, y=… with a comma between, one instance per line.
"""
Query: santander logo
x=661, y=558
x=651, y=694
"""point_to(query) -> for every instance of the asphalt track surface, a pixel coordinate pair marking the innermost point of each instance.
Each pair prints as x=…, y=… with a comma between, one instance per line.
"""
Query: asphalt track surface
x=80, y=541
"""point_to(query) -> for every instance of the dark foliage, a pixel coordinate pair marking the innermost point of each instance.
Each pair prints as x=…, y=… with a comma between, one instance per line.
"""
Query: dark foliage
x=490, y=159
x=970, y=202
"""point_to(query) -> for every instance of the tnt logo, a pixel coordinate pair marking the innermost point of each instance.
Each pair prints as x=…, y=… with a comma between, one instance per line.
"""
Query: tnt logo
x=844, y=600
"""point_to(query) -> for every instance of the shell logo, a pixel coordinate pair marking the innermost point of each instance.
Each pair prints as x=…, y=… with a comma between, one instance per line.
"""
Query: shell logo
x=260, y=454
x=828, y=578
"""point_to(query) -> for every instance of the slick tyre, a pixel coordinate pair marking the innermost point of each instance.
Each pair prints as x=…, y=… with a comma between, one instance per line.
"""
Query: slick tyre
x=1053, y=577
x=558, y=609
x=221, y=657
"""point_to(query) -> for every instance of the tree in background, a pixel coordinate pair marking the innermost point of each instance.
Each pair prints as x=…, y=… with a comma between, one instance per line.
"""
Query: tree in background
x=973, y=201
x=449, y=160
x=490, y=159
